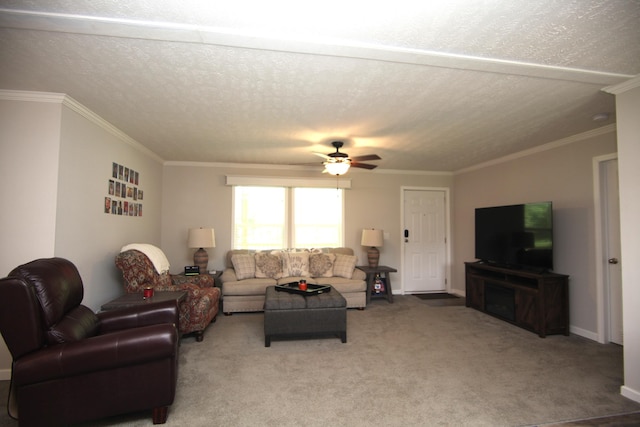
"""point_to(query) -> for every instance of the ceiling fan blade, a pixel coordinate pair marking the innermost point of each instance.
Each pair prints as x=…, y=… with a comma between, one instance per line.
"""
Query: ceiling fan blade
x=363, y=165
x=324, y=156
x=365, y=158
x=310, y=164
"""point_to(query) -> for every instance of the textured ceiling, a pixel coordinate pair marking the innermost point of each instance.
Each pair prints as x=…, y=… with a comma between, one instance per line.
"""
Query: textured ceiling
x=438, y=86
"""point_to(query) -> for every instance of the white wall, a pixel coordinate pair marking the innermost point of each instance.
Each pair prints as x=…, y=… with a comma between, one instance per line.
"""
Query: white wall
x=195, y=195
x=628, y=115
x=56, y=159
x=84, y=233
x=563, y=175
x=29, y=151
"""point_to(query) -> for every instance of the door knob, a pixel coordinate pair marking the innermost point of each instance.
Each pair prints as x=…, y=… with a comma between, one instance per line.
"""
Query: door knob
x=613, y=260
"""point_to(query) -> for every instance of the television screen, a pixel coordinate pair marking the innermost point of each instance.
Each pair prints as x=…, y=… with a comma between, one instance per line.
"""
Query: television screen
x=516, y=236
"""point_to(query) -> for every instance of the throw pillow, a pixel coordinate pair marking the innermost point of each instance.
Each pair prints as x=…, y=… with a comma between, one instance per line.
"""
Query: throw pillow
x=314, y=250
x=244, y=265
x=268, y=265
x=296, y=264
x=321, y=265
x=344, y=265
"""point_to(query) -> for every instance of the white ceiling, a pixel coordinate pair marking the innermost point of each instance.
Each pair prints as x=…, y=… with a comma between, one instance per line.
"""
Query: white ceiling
x=427, y=85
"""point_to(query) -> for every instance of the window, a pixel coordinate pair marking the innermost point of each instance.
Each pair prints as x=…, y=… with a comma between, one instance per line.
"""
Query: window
x=283, y=217
x=259, y=218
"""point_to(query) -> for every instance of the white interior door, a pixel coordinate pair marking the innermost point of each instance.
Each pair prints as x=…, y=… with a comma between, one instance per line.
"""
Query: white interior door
x=611, y=210
x=424, y=265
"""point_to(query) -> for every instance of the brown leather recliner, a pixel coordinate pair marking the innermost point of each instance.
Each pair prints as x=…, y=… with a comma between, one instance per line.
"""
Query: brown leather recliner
x=72, y=365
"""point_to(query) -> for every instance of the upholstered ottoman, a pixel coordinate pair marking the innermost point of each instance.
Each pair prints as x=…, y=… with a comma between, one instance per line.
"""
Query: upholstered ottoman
x=288, y=315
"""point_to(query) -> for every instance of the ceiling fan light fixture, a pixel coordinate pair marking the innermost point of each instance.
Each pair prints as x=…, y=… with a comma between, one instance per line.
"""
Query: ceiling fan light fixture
x=337, y=168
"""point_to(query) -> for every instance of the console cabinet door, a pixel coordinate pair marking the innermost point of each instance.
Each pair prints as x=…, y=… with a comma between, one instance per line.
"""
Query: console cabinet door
x=475, y=292
x=527, y=309
x=540, y=301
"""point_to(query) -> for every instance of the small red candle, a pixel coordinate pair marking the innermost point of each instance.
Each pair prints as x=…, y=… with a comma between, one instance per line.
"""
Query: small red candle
x=302, y=285
x=147, y=292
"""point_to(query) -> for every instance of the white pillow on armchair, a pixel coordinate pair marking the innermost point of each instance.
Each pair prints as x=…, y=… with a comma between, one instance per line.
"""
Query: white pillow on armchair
x=155, y=255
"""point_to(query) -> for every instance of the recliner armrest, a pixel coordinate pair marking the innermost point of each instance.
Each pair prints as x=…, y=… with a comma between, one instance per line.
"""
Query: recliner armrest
x=99, y=353
x=153, y=313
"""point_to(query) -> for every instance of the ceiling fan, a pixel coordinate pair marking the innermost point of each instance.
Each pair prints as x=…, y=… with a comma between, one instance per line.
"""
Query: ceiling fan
x=338, y=163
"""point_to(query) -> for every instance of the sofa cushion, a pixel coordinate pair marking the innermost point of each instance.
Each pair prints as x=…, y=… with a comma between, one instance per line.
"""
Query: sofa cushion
x=268, y=265
x=321, y=265
x=296, y=264
x=247, y=287
x=344, y=265
x=227, y=259
x=244, y=265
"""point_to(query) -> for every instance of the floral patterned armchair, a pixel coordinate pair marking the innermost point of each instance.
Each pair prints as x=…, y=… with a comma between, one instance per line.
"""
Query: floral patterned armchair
x=203, y=298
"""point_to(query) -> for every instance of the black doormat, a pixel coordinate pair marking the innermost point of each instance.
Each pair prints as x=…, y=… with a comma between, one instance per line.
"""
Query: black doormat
x=438, y=295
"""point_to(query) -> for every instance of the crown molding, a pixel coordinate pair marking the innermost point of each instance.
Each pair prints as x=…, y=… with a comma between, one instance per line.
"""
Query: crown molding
x=624, y=86
x=75, y=106
x=549, y=146
x=297, y=167
x=21, y=95
x=14, y=95
x=286, y=181
x=233, y=165
x=410, y=172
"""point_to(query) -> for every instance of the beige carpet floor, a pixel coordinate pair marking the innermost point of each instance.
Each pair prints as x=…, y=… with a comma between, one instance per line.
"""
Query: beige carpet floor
x=411, y=363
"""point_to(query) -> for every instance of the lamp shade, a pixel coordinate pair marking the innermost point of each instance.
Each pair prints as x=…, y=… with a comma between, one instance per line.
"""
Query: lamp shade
x=201, y=238
x=372, y=238
x=337, y=168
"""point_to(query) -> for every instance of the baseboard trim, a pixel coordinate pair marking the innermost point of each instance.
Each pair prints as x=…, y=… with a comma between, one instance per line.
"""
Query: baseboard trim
x=630, y=393
x=584, y=333
x=5, y=374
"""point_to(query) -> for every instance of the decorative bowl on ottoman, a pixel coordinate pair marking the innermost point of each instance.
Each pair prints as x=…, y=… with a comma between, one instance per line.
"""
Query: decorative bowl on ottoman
x=308, y=289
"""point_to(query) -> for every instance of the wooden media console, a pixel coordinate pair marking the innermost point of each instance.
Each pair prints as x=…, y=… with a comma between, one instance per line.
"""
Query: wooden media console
x=535, y=301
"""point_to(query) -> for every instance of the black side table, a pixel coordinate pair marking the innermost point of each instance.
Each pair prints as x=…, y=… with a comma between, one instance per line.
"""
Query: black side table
x=133, y=299
x=383, y=271
x=216, y=277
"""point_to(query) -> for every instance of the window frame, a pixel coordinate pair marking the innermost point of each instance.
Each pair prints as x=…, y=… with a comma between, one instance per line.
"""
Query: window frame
x=289, y=233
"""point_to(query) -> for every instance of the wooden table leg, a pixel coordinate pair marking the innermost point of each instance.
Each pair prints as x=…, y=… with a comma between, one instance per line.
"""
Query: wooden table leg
x=389, y=292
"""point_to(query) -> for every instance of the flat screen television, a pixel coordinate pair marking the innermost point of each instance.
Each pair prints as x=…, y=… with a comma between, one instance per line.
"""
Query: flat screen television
x=516, y=236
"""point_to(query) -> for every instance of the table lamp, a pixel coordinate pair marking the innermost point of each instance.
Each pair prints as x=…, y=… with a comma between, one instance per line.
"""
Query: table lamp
x=201, y=238
x=373, y=239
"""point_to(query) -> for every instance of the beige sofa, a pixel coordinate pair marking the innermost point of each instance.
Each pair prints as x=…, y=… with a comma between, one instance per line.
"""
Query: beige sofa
x=248, y=273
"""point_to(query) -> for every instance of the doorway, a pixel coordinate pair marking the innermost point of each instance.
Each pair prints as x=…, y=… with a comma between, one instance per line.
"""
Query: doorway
x=425, y=235
x=608, y=262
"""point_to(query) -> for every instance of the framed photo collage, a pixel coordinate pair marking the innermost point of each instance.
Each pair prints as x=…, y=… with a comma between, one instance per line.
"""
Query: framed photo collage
x=125, y=196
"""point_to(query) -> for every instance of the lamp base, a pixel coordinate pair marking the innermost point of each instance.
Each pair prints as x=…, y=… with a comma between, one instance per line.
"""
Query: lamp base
x=201, y=259
x=373, y=256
